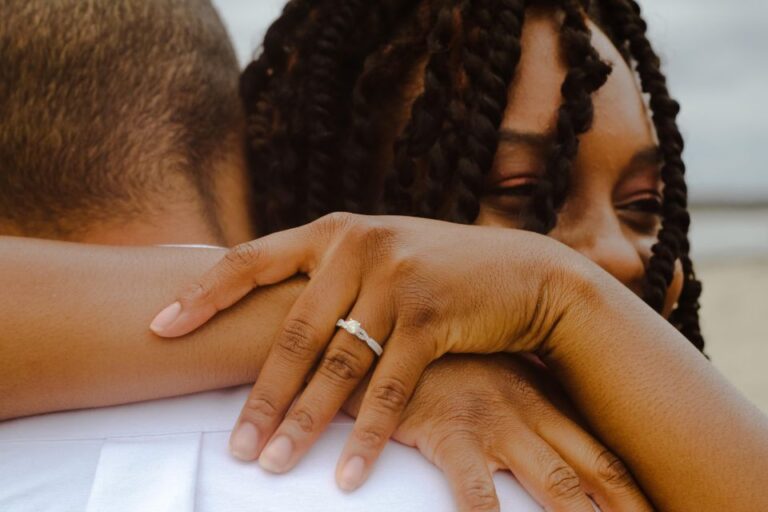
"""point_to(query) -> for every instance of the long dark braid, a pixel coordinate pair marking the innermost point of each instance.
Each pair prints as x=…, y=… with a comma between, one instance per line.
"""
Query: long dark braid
x=315, y=92
x=275, y=199
x=586, y=74
x=330, y=86
x=427, y=114
x=382, y=70
x=491, y=55
x=442, y=156
x=673, y=241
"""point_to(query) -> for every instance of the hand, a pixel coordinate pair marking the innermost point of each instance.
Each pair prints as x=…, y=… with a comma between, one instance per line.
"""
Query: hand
x=420, y=287
x=473, y=415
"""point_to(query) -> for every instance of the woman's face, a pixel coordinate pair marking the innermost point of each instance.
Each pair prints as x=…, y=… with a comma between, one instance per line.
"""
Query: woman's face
x=611, y=214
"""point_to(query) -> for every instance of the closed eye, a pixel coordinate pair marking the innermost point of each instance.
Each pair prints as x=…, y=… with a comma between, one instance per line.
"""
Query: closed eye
x=523, y=190
x=643, y=215
x=646, y=205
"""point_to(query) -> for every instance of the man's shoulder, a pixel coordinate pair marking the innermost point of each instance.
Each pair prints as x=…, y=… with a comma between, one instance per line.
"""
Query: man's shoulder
x=174, y=451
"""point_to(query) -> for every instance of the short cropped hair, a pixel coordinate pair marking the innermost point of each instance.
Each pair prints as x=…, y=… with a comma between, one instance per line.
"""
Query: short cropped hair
x=106, y=105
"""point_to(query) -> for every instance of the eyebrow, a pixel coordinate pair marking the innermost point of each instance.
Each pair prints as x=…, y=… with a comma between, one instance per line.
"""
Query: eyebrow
x=650, y=155
x=647, y=157
x=644, y=158
x=535, y=140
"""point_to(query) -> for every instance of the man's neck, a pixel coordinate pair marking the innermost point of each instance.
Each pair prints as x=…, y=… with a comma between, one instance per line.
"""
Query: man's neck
x=175, y=225
x=166, y=230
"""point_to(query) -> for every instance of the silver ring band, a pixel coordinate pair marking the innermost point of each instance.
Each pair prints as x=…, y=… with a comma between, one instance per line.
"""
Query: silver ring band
x=353, y=327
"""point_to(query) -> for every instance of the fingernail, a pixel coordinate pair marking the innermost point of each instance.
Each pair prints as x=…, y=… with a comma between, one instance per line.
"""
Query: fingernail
x=352, y=474
x=277, y=455
x=244, y=442
x=165, y=318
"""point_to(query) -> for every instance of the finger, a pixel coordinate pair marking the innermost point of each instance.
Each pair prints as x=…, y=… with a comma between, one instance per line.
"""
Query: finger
x=604, y=477
x=391, y=387
x=465, y=466
x=544, y=474
x=265, y=261
x=343, y=366
x=303, y=337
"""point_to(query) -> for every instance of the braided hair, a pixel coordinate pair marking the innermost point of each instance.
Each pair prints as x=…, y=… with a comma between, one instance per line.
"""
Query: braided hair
x=330, y=81
x=673, y=239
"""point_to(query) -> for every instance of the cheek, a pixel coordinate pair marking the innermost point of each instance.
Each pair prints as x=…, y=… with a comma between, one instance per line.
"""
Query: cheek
x=674, y=291
x=490, y=216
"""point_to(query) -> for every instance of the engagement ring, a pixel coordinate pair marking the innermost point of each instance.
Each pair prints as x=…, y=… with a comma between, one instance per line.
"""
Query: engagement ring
x=353, y=327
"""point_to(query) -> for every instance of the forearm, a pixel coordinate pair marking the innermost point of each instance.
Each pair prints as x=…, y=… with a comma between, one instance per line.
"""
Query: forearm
x=693, y=441
x=75, y=327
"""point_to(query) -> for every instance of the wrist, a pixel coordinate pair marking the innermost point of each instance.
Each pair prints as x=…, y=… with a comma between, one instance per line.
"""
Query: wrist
x=575, y=293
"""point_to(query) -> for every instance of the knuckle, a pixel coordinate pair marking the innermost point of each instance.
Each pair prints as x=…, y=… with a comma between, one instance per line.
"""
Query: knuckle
x=466, y=409
x=296, y=339
x=525, y=391
x=244, y=255
x=370, y=438
x=259, y=407
x=611, y=471
x=379, y=238
x=406, y=266
x=418, y=297
x=332, y=223
x=473, y=410
x=342, y=365
x=480, y=494
x=372, y=239
x=563, y=483
x=421, y=312
x=356, y=234
x=303, y=418
x=440, y=442
x=338, y=219
x=390, y=395
x=462, y=414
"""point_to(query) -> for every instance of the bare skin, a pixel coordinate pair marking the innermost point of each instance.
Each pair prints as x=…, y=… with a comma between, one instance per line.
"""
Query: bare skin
x=216, y=356
x=93, y=349
x=73, y=320
x=367, y=269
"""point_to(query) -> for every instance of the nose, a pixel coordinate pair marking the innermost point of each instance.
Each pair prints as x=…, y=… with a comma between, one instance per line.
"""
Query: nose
x=605, y=242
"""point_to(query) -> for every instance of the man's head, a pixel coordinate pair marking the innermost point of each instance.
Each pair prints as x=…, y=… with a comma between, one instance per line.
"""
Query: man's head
x=114, y=112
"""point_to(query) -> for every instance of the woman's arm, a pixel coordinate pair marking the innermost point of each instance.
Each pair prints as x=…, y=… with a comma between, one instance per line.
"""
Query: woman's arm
x=74, y=334
x=692, y=441
x=74, y=327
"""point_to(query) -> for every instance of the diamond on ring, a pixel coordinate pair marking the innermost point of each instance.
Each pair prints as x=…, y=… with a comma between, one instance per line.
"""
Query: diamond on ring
x=354, y=328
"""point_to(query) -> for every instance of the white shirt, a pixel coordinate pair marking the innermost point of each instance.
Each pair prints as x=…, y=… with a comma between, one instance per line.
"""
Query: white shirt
x=171, y=455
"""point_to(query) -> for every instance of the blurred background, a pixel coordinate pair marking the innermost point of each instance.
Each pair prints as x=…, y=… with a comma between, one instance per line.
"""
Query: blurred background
x=714, y=56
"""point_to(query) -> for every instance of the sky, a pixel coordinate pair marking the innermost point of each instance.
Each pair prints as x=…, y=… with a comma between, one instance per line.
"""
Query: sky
x=714, y=54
